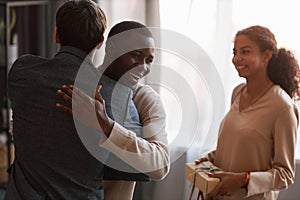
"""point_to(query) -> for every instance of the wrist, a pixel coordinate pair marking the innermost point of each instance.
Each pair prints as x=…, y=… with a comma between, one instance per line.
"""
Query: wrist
x=107, y=126
x=246, y=180
x=106, y=123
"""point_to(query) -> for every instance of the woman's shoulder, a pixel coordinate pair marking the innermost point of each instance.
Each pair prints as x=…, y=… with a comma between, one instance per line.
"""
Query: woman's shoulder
x=280, y=99
x=282, y=102
x=280, y=96
x=236, y=91
x=239, y=87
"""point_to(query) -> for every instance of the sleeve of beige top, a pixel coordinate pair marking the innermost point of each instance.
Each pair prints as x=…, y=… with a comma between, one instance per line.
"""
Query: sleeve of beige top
x=149, y=154
x=283, y=169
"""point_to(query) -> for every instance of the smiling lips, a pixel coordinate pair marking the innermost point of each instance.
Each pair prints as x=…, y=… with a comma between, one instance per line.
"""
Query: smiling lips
x=135, y=77
x=240, y=67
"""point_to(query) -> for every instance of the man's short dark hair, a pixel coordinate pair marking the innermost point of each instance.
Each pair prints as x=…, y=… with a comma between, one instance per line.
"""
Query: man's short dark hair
x=80, y=24
x=129, y=25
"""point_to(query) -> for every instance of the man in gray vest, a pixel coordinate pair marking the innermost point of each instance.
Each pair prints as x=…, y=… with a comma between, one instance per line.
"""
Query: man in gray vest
x=50, y=160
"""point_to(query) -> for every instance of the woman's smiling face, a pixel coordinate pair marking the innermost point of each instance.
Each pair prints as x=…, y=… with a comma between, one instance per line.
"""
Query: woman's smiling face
x=247, y=57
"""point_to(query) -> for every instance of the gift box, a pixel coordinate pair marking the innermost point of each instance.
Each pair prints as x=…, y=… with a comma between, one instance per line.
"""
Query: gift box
x=198, y=176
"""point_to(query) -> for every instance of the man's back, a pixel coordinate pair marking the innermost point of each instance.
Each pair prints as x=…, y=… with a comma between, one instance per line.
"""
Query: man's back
x=48, y=149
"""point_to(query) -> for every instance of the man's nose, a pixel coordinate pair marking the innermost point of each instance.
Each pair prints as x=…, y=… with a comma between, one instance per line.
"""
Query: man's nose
x=144, y=67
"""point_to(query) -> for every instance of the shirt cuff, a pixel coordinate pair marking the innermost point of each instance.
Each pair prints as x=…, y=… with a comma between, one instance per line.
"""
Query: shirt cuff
x=260, y=182
x=117, y=138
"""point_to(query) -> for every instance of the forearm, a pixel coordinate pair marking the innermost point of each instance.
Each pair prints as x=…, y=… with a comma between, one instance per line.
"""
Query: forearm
x=147, y=156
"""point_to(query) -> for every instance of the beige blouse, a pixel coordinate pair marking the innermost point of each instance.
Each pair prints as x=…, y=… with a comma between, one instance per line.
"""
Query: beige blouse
x=260, y=139
x=149, y=153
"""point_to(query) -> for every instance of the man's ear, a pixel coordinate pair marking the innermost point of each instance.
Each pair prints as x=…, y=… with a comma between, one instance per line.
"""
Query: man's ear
x=100, y=43
x=56, y=38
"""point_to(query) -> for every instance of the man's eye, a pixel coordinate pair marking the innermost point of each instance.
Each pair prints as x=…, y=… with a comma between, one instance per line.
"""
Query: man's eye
x=149, y=61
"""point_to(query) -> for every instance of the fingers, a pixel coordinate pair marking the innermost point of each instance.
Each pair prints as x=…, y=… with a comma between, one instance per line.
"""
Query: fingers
x=81, y=94
x=197, y=161
x=224, y=186
x=71, y=93
x=98, y=95
x=66, y=94
x=66, y=97
x=217, y=191
x=98, y=88
x=218, y=175
x=200, y=160
x=64, y=108
x=68, y=89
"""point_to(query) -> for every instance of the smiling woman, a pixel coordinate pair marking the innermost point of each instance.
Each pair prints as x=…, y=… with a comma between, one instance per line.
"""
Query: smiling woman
x=262, y=118
x=286, y=33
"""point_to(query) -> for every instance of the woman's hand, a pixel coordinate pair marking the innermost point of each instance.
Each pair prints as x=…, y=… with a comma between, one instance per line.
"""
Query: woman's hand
x=230, y=182
x=91, y=112
x=200, y=160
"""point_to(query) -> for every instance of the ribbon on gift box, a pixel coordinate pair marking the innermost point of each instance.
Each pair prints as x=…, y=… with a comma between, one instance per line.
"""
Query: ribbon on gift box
x=207, y=169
